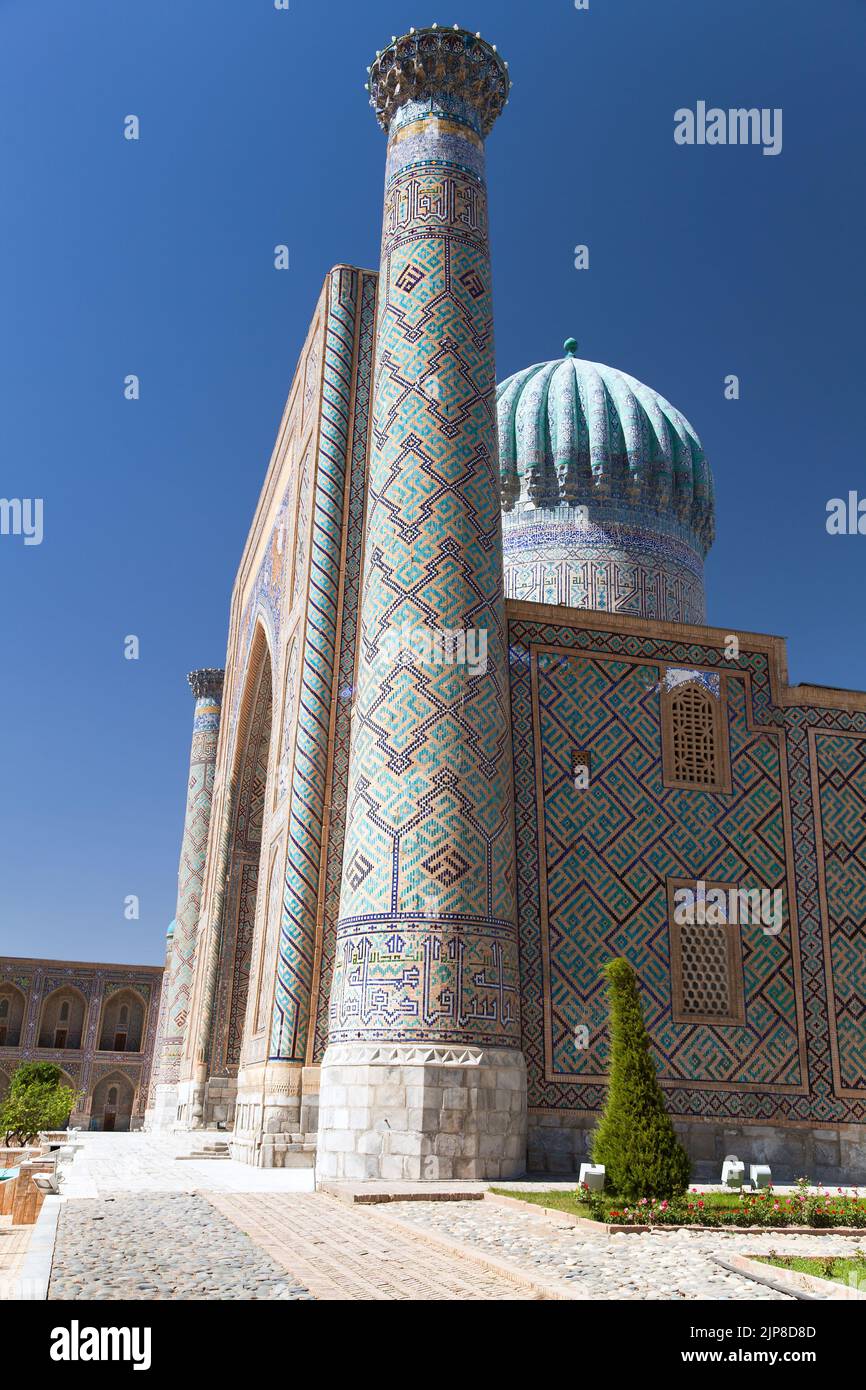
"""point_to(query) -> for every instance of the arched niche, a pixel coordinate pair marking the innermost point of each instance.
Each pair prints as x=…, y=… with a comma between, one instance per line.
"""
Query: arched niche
x=61, y=1023
x=245, y=870
x=12, y=1008
x=112, y=1103
x=121, y=1027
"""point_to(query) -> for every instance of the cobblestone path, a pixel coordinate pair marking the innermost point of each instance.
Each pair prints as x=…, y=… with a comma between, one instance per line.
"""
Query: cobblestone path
x=137, y=1223
x=160, y=1246
x=351, y=1252
x=659, y=1265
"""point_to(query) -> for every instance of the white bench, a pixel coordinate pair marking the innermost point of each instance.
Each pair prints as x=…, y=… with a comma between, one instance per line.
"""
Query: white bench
x=592, y=1174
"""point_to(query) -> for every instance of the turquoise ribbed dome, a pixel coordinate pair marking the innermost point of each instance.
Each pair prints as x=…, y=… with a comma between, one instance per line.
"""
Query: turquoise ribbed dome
x=573, y=432
x=171, y=926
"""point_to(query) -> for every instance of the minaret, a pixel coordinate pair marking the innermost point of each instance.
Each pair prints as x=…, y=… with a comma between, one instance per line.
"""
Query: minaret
x=160, y=1029
x=423, y=1076
x=207, y=687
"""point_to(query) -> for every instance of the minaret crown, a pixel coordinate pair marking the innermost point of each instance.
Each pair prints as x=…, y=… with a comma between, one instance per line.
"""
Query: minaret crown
x=206, y=682
x=438, y=62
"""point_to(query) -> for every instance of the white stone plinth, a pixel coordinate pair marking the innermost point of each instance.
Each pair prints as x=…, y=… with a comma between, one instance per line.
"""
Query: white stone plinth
x=760, y=1175
x=417, y=1112
x=163, y=1114
x=592, y=1174
x=733, y=1172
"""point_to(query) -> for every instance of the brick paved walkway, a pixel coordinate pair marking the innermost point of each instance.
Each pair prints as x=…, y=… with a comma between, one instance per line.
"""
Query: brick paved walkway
x=344, y=1252
x=14, y=1241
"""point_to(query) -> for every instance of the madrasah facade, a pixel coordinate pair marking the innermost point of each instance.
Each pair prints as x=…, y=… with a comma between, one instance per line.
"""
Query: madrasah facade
x=474, y=736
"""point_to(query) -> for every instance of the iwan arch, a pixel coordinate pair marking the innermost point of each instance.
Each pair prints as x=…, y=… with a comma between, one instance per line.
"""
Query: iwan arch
x=400, y=878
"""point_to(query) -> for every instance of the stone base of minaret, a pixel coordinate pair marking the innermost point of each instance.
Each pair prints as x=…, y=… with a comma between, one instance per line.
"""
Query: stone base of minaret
x=421, y=1113
x=191, y=1103
x=162, y=1115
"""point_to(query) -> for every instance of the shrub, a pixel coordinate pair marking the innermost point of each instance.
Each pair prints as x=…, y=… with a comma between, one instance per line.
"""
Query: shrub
x=36, y=1101
x=32, y=1073
x=635, y=1139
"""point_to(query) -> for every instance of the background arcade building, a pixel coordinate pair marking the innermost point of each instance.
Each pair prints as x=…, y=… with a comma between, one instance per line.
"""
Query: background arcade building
x=97, y=1022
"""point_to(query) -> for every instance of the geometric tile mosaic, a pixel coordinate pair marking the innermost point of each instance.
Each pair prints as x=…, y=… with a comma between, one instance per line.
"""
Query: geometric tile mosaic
x=597, y=888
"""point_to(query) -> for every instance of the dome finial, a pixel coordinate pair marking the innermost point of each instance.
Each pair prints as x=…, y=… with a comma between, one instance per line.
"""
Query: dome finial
x=570, y=346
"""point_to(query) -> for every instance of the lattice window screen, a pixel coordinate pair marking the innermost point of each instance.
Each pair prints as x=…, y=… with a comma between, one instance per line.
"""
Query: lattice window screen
x=706, y=964
x=694, y=744
x=705, y=983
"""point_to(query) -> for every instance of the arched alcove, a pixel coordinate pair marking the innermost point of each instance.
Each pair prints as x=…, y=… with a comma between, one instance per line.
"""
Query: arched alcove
x=61, y=1024
x=121, y=1028
x=12, y=1009
x=112, y=1103
x=245, y=873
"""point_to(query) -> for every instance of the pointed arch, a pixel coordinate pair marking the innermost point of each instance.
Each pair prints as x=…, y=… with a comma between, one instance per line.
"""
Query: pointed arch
x=249, y=804
x=123, y=1022
x=112, y=1102
x=13, y=1006
x=62, y=1019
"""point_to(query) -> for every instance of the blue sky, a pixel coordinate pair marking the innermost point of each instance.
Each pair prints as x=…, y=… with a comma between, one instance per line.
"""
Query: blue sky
x=156, y=258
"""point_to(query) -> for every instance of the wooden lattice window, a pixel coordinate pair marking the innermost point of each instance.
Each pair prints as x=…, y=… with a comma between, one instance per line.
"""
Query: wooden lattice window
x=581, y=768
x=706, y=965
x=695, y=737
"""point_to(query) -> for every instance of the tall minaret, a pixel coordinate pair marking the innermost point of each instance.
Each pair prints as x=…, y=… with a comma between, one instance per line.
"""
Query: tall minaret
x=207, y=687
x=423, y=1076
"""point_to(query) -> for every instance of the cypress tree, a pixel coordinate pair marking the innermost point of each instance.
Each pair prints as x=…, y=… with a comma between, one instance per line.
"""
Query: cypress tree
x=635, y=1139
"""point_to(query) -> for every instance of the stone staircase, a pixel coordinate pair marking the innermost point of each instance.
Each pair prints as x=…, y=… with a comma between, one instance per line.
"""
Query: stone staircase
x=281, y=1150
x=208, y=1146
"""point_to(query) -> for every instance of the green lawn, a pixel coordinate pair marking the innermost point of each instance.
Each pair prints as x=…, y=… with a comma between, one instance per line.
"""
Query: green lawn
x=834, y=1267
x=560, y=1201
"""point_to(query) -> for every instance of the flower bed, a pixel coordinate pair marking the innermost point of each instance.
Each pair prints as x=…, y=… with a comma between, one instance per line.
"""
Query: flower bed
x=815, y=1208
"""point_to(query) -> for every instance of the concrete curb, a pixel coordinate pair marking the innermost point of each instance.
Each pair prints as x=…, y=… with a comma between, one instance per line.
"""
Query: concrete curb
x=807, y=1287
x=35, y=1272
x=549, y=1289
x=370, y=1194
